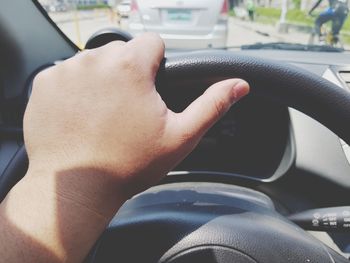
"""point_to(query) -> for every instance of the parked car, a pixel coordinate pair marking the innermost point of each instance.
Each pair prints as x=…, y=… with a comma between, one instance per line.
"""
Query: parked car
x=189, y=24
x=60, y=7
x=123, y=9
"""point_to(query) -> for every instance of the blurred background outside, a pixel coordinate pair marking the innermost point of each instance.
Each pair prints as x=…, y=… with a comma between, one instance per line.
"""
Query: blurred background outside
x=248, y=22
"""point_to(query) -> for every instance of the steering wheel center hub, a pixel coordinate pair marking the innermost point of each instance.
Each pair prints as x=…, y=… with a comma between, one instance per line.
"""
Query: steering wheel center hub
x=211, y=254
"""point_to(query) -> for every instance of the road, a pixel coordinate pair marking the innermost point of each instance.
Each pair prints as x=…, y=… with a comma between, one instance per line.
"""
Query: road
x=240, y=32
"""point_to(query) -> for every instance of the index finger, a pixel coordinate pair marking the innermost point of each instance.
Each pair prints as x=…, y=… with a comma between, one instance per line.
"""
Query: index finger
x=149, y=50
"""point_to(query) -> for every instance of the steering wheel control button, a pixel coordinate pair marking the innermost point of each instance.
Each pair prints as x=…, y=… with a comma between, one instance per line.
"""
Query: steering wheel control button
x=324, y=219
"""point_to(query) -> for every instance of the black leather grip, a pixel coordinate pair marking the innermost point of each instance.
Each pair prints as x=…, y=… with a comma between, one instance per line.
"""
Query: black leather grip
x=285, y=83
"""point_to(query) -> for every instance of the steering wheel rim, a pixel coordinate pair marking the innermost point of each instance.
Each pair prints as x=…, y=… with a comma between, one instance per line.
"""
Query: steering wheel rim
x=287, y=84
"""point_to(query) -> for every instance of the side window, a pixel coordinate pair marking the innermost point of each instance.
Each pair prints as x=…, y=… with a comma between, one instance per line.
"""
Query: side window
x=79, y=19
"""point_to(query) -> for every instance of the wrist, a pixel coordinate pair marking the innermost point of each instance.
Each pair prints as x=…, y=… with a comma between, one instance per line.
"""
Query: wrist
x=87, y=188
x=58, y=211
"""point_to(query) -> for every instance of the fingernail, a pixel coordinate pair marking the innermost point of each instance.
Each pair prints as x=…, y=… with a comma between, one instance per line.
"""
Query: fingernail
x=240, y=89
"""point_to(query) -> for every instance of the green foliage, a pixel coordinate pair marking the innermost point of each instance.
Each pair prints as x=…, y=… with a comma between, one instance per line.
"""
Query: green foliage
x=297, y=4
x=271, y=13
x=346, y=26
x=232, y=13
x=90, y=7
x=300, y=17
x=345, y=39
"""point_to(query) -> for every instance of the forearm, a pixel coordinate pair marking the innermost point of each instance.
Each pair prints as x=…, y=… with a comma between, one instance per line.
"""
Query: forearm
x=55, y=216
x=90, y=148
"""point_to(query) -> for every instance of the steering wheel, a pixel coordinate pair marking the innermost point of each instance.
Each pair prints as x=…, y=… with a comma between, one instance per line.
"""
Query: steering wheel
x=216, y=223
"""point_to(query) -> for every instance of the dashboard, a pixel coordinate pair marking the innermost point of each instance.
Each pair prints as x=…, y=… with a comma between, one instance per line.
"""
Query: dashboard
x=250, y=140
x=262, y=140
x=299, y=162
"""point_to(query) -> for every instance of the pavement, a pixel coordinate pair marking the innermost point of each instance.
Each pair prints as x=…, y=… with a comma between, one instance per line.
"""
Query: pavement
x=80, y=26
x=246, y=32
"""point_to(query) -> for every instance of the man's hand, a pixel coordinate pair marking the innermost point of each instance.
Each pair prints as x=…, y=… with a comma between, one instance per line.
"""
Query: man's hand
x=97, y=132
x=101, y=110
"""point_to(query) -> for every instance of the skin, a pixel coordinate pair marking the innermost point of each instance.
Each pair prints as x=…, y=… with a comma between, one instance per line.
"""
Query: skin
x=97, y=132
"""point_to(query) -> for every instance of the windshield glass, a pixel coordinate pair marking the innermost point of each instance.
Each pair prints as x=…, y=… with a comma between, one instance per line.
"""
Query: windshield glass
x=205, y=24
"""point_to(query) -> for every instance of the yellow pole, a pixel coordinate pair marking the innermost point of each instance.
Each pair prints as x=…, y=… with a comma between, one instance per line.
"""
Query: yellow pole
x=77, y=28
x=111, y=14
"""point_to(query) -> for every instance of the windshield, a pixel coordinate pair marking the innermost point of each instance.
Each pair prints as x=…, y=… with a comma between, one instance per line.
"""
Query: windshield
x=207, y=24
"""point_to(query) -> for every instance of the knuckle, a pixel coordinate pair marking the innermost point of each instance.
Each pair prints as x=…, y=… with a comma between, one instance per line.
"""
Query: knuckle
x=125, y=61
x=220, y=106
x=154, y=36
x=42, y=76
x=158, y=40
x=154, y=39
x=115, y=44
x=87, y=56
x=186, y=136
x=128, y=62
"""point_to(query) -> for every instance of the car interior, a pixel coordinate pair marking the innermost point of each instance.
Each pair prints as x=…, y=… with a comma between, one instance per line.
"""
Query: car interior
x=269, y=183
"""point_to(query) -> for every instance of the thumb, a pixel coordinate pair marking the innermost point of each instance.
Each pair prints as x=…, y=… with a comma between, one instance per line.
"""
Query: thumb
x=201, y=114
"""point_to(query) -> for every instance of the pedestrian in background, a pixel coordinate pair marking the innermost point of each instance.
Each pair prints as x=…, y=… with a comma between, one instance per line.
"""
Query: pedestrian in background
x=251, y=9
